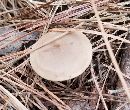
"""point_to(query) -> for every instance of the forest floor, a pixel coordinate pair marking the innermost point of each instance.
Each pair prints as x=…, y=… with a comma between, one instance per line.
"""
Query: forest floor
x=104, y=85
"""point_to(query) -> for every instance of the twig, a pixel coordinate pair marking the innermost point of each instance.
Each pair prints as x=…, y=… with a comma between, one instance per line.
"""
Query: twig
x=11, y=99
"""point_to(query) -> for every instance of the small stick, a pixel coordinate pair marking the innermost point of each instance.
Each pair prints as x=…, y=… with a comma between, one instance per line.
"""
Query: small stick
x=12, y=99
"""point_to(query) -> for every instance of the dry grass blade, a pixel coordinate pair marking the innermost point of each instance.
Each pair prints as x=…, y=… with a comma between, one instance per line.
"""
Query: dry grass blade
x=113, y=59
x=98, y=89
x=12, y=99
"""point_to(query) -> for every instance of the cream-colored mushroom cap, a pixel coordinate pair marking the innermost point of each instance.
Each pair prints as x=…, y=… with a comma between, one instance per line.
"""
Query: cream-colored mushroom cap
x=62, y=59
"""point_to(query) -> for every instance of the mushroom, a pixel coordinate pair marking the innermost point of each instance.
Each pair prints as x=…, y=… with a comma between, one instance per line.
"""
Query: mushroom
x=62, y=59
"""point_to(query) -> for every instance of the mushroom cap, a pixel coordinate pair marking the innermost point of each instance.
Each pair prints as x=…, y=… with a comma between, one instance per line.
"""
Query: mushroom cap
x=62, y=59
